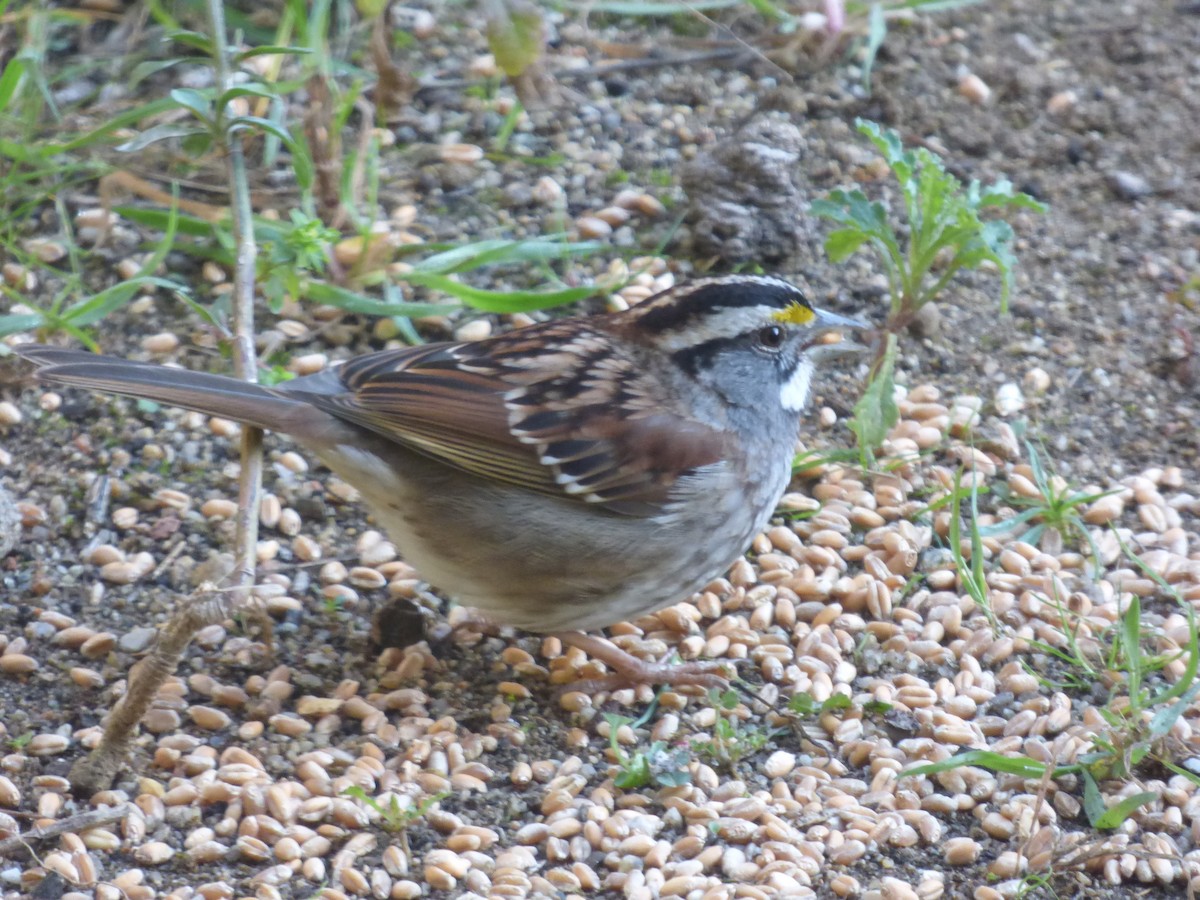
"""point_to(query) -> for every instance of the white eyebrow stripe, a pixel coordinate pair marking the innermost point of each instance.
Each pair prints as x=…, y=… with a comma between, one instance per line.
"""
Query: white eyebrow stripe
x=726, y=323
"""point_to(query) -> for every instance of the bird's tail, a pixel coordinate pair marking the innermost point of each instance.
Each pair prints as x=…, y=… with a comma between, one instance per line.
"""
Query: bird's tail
x=214, y=395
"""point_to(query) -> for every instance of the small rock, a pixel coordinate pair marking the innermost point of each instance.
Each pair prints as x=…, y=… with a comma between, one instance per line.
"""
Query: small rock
x=10, y=522
x=518, y=194
x=927, y=322
x=1128, y=186
x=547, y=191
x=137, y=639
x=1061, y=102
x=975, y=89
x=1009, y=399
x=1037, y=380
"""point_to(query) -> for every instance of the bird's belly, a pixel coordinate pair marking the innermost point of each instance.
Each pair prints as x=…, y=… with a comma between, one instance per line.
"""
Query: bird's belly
x=535, y=562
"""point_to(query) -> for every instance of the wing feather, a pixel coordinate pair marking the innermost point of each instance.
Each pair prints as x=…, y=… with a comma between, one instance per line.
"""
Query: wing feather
x=554, y=422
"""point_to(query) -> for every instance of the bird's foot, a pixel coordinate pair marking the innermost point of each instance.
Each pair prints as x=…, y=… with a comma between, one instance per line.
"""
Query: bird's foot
x=629, y=671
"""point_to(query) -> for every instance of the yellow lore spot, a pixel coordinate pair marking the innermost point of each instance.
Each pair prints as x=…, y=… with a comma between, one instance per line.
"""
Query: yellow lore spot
x=796, y=314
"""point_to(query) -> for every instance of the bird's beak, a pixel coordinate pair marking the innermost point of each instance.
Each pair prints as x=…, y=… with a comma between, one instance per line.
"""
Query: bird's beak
x=825, y=322
x=825, y=319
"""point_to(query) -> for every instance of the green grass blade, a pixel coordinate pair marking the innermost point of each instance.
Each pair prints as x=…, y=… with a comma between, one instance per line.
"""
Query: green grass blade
x=1113, y=816
x=1024, y=766
x=360, y=304
x=501, y=301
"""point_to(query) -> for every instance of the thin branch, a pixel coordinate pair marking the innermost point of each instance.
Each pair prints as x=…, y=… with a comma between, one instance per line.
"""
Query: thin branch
x=245, y=361
x=93, y=818
x=96, y=771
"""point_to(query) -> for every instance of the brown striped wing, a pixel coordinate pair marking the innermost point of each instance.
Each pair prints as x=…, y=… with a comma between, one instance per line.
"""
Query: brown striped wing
x=552, y=421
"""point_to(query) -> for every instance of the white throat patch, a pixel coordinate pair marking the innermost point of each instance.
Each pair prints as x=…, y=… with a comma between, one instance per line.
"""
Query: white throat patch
x=794, y=394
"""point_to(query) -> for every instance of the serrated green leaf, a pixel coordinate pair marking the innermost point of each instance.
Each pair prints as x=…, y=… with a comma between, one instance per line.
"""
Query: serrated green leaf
x=888, y=143
x=842, y=244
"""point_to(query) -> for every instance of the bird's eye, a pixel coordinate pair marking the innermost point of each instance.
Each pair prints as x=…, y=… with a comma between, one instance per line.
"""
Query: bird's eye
x=771, y=337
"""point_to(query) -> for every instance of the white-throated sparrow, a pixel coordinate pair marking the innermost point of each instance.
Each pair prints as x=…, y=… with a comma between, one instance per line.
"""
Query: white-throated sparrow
x=560, y=477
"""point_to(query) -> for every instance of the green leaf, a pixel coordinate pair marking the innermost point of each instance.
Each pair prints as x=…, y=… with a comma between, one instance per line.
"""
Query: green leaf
x=651, y=7
x=160, y=219
x=98, y=306
x=902, y=162
x=144, y=70
x=261, y=124
x=841, y=244
x=10, y=80
x=22, y=152
x=876, y=33
x=360, y=304
x=197, y=144
x=271, y=50
x=932, y=5
x=196, y=101
x=501, y=301
x=1024, y=766
x=1114, y=815
x=161, y=132
x=194, y=39
x=515, y=35
x=252, y=89
x=802, y=704
x=876, y=412
x=676, y=773
x=1131, y=644
x=120, y=121
x=466, y=257
x=836, y=703
x=15, y=322
x=1179, y=770
x=634, y=774
x=1165, y=718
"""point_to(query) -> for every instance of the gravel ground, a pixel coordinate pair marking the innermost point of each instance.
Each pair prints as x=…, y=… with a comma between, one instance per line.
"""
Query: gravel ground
x=478, y=776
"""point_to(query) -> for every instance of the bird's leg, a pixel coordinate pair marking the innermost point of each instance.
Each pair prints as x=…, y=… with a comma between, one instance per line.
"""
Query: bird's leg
x=629, y=671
